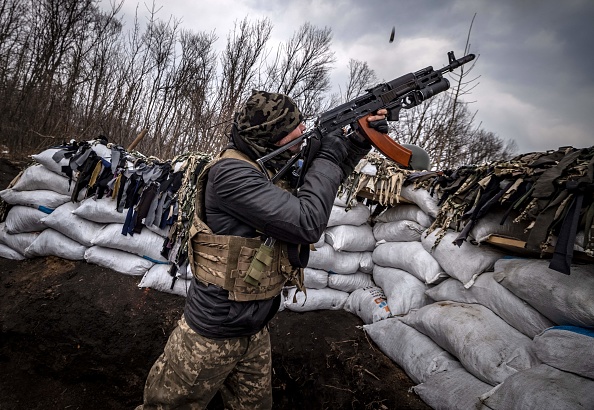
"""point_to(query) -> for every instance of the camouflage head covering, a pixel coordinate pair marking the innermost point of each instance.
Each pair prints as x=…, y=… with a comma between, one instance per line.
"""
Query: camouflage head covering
x=265, y=119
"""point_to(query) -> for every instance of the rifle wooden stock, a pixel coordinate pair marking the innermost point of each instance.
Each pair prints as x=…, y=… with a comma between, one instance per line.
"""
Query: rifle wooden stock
x=138, y=138
x=385, y=144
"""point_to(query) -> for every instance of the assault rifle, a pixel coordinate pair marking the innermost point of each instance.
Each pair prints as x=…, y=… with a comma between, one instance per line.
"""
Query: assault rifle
x=404, y=92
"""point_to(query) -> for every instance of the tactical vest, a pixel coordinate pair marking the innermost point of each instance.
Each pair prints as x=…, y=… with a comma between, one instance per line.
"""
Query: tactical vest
x=247, y=268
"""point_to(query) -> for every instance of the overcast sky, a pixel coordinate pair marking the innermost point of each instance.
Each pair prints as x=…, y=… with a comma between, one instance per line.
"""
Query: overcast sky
x=536, y=61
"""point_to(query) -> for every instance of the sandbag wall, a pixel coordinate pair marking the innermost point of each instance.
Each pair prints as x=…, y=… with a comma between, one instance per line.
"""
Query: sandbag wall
x=471, y=325
x=99, y=204
x=339, y=272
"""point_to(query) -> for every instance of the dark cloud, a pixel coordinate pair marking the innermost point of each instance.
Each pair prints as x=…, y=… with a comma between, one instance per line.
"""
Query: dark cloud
x=536, y=56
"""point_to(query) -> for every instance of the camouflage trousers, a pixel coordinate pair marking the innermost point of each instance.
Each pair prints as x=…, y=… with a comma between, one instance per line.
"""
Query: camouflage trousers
x=193, y=368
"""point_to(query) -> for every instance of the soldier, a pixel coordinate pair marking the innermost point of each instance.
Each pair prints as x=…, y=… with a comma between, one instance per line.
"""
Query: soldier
x=241, y=239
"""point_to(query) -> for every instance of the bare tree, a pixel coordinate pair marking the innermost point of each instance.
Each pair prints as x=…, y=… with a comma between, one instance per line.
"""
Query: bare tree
x=69, y=70
x=195, y=94
x=301, y=68
x=361, y=78
x=240, y=60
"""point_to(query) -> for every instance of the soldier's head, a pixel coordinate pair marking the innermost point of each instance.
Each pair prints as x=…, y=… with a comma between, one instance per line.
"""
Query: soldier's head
x=266, y=120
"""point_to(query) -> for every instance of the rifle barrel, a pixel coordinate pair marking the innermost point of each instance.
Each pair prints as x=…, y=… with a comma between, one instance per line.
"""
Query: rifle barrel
x=457, y=63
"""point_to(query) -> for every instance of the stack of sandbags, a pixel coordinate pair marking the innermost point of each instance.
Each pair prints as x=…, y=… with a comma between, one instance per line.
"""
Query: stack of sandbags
x=406, y=267
x=339, y=271
x=49, y=214
x=564, y=380
x=499, y=332
x=443, y=383
x=402, y=267
x=38, y=191
x=455, y=351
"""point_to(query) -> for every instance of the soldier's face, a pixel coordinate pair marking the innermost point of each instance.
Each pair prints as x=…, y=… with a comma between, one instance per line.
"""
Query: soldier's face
x=296, y=133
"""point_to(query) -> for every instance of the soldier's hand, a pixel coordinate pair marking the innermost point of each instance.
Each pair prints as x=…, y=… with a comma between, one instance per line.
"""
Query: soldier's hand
x=334, y=147
x=378, y=121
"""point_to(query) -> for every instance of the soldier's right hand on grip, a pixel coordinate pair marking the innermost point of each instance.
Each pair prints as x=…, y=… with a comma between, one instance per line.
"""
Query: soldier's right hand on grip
x=334, y=147
x=343, y=151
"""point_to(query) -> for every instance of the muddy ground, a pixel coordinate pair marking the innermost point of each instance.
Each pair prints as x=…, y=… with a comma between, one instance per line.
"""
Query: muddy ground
x=79, y=336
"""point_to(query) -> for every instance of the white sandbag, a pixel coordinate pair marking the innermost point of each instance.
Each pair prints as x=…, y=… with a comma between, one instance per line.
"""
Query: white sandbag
x=411, y=257
x=162, y=232
x=487, y=292
x=488, y=347
x=418, y=355
x=422, y=198
x=320, y=241
x=398, y=231
x=45, y=159
x=317, y=299
x=567, y=348
x=40, y=199
x=21, y=219
x=366, y=262
x=100, y=210
x=101, y=149
x=315, y=278
x=542, y=387
x=38, y=177
x=19, y=241
x=464, y=262
x=453, y=390
x=50, y=242
x=119, y=261
x=350, y=283
x=403, y=290
x=356, y=215
x=282, y=302
x=146, y=244
x=490, y=224
x=62, y=220
x=351, y=238
x=158, y=278
x=369, y=304
x=406, y=212
x=7, y=252
x=571, y=302
x=326, y=258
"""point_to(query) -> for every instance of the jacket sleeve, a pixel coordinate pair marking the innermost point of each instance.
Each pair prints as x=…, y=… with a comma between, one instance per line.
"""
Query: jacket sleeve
x=245, y=193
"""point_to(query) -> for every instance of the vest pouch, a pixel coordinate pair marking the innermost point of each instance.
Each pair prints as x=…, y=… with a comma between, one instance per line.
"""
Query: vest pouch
x=261, y=261
x=270, y=279
x=225, y=260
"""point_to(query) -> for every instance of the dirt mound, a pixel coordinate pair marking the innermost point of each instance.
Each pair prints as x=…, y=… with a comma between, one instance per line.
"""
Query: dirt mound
x=76, y=335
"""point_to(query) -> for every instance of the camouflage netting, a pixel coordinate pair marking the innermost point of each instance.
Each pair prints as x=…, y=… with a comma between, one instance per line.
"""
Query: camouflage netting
x=135, y=183
x=550, y=192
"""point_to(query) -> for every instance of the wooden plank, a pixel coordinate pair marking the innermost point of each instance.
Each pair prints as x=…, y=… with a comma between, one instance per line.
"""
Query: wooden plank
x=519, y=247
